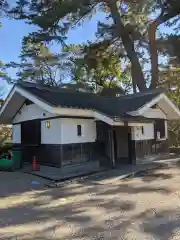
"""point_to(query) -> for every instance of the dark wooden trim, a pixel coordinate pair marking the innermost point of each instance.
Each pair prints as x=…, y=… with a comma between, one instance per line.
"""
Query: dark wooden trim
x=58, y=155
x=115, y=144
x=125, y=123
x=31, y=131
x=161, y=110
x=131, y=120
x=56, y=117
x=150, y=120
x=155, y=133
x=150, y=147
x=66, y=116
x=112, y=149
x=16, y=145
x=18, y=110
x=16, y=123
x=28, y=102
x=132, y=150
x=154, y=119
x=61, y=153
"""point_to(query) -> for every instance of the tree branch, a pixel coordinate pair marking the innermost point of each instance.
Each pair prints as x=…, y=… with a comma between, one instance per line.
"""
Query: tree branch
x=153, y=45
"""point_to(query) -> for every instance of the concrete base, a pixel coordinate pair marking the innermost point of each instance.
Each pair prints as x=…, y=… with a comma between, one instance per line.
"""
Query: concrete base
x=58, y=174
x=152, y=158
x=71, y=172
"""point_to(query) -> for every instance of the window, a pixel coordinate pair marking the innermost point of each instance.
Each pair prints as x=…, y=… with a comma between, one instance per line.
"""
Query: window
x=142, y=130
x=79, y=130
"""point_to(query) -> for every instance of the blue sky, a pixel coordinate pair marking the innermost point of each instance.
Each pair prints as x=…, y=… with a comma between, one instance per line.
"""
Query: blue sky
x=13, y=31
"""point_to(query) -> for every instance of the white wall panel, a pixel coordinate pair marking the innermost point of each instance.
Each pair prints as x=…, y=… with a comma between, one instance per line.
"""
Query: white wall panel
x=69, y=131
x=147, y=134
x=30, y=112
x=51, y=135
x=155, y=113
x=16, y=133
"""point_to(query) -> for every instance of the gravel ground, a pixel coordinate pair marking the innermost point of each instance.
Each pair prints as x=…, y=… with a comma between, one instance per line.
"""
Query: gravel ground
x=146, y=207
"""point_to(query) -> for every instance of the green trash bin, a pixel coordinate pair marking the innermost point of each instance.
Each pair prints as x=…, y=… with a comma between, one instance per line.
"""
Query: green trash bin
x=6, y=164
x=17, y=158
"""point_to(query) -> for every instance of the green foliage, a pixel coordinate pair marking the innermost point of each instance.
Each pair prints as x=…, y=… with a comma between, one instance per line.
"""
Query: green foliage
x=170, y=80
x=1, y=66
x=126, y=28
x=95, y=68
x=169, y=46
x=3, y=7
x=77, y=63
x=39, y=64
x=5, y=134
x=56, y=18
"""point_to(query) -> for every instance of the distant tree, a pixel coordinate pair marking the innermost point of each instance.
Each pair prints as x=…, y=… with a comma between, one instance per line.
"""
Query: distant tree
x=127, y=29
x=96, y=70
x=5, y=134
x=3, y=7
x=39, y=64
x=169, y=79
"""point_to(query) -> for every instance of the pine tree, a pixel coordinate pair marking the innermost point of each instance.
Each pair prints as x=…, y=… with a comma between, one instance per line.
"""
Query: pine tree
x=3, y=5
x=60, y=16
x=103, y=71
x=125, y=32
x=38, y=64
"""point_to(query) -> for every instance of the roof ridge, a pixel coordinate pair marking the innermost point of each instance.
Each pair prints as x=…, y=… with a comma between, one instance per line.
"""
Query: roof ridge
x=141, y=94
x=108, y=105
x=90, y=96
x=60, y=89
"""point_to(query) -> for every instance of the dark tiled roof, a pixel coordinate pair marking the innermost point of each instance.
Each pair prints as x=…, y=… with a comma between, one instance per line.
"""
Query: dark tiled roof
x=110, y=106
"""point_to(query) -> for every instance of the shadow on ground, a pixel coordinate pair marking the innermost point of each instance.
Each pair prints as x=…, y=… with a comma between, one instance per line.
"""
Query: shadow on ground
x=87, y=209
x=153, y=175
x=169, y=227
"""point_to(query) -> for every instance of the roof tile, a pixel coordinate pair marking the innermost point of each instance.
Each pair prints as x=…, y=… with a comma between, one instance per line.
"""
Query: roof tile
x=110, y=106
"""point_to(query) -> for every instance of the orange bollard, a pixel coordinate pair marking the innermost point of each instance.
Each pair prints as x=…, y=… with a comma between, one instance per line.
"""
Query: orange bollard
x=34, y=167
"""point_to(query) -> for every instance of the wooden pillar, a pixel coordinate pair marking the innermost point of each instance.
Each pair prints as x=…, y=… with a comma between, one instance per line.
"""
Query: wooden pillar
x=111, y=143
x=61, y=155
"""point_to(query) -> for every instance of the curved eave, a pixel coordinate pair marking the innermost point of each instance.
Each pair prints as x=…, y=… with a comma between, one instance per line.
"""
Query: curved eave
x=168, y=107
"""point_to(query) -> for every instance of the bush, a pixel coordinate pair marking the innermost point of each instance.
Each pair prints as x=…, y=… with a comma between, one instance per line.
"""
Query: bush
x=5, y=148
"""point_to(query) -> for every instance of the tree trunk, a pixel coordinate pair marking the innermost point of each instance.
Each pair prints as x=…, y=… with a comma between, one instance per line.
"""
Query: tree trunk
x=153, y=46
x=153, y=55
x=121, y=32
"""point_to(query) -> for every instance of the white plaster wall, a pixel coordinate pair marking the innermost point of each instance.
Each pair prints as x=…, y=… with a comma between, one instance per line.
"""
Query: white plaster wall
x=30, y=112
x=16, y=133
x=51, y=135
x=64, y=131
x=148, y=132
x=155, y=113
x=69, y=131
